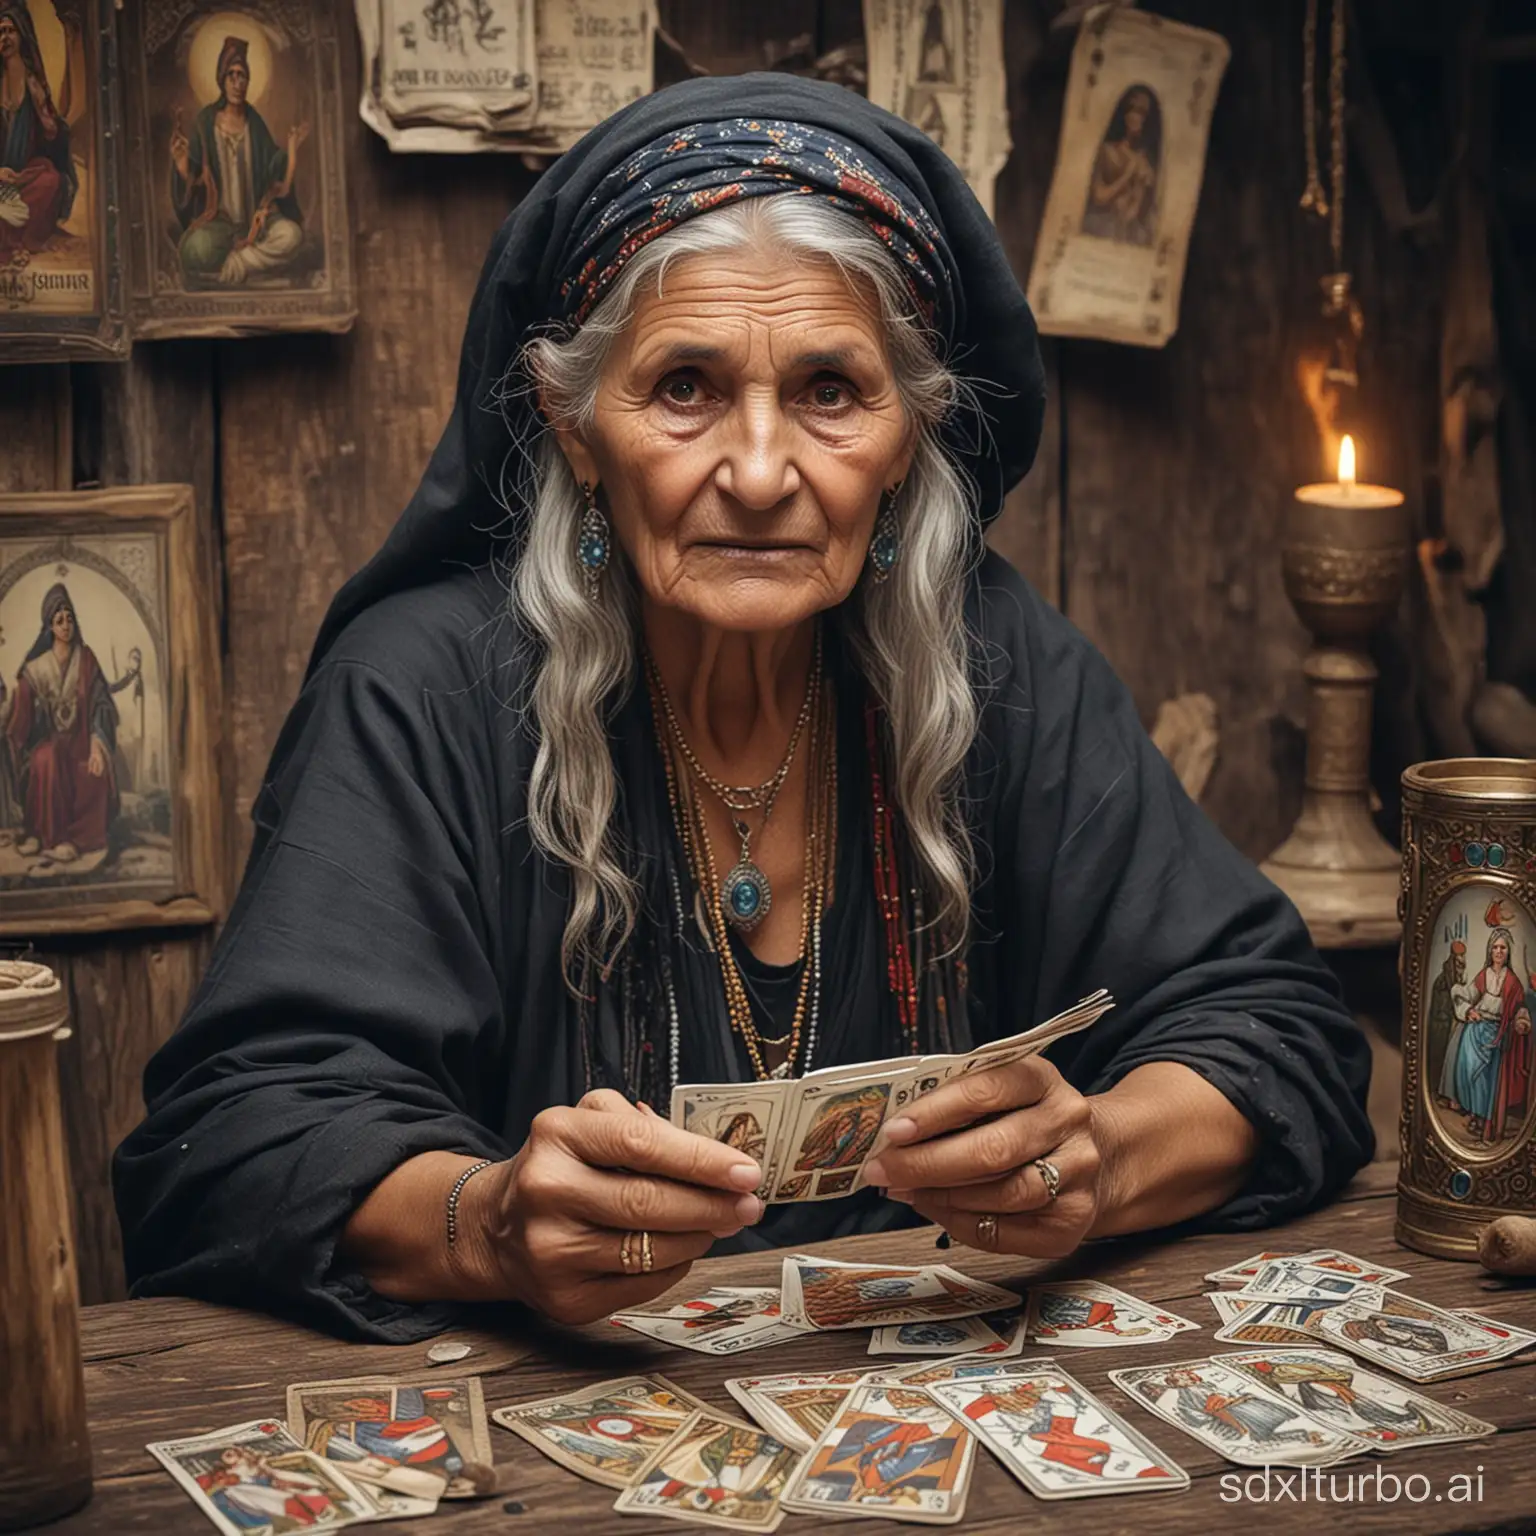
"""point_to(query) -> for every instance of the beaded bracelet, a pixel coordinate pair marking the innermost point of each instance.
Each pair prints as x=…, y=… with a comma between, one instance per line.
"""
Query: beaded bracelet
x=453, y=1196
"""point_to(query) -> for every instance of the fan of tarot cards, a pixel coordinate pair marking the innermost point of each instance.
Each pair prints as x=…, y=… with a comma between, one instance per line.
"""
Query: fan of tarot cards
x=811, y=1135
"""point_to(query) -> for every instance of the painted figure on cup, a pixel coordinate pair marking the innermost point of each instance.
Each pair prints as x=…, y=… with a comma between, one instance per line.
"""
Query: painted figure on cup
x=1492, y=1062
x=232, y=187
x=38, y=180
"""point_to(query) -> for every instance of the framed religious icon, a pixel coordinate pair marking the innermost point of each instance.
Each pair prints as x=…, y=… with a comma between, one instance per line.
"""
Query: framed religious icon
x=109, y=693
x=61, y=279
x=237, y=203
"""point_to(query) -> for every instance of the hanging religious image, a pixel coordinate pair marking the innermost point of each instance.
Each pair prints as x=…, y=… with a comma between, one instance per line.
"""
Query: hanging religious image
x=108, y=802
x=939, y=64
x=1122, y=196
x=1477, y=1025
x=60, y=275
x=237, y=219
x=1110, y=255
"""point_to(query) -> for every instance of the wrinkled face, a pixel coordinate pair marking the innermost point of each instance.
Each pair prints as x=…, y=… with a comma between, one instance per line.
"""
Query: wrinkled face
x=10, y=38
x=63, y=625
x=745, y=426
x=237, y=81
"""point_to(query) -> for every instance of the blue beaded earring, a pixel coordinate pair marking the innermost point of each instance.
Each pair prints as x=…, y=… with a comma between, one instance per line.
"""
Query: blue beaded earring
x=885, y=546
x=592, y=542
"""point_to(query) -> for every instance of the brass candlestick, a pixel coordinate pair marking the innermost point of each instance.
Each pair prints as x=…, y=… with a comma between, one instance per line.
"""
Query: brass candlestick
x=1344, y=559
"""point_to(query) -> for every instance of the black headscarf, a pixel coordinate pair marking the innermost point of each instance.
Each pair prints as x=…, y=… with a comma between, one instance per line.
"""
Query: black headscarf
x=582, y=213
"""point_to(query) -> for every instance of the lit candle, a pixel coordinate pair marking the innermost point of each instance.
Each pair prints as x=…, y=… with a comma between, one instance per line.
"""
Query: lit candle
x=1346, y=491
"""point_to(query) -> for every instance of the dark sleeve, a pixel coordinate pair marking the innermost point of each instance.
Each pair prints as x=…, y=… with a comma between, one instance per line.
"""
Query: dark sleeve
x=351, y=1017
x=1103, y=873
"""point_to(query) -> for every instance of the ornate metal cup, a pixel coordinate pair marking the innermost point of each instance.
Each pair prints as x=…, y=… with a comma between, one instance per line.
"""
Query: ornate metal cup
x=1469, y=991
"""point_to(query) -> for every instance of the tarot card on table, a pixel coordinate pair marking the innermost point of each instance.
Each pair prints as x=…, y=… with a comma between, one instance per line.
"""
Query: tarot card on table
x=1334, y=1259
x=714, y=1471
x=795, y=1407
x=1225, y=1409
x=723, y=1321
x=1301, y=1280
x=1053, y=1435
x=379, y=1426
x=1273, y=1322
x=924, y=1373
x=826, y=1294
x=944, y=1336
x=1341, y=1392
x=1411, y=1337
x=1085, y=1314
x=892, y=1451
x=257, y=1477
x=605, y=1433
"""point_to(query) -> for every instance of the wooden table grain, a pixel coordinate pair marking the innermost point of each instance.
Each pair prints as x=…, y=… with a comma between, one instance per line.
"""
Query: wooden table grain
x=166, y=1368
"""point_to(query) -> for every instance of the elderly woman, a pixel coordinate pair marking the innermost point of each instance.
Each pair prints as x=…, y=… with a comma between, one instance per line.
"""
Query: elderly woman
x=683, y=732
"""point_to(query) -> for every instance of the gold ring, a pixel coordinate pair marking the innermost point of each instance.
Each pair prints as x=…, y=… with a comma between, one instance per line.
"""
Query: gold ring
x=1051, y=1174
x=986, y=1232
x=647, y=1258
x=627, y=1253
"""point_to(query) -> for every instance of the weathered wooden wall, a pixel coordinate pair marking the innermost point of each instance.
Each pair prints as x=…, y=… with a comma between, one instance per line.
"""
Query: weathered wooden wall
x=1152, y=513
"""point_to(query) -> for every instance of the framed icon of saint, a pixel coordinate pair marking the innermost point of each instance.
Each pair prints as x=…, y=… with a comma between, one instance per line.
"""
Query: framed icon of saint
x=109, y=694
x=61, y=273
x=237, y=205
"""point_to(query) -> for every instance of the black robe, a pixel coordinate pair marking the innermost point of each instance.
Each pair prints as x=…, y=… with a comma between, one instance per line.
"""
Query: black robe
x=389, y=982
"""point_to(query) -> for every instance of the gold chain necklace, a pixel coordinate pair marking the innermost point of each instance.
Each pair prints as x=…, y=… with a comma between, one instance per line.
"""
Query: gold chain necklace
x=745, y=893
x=820, y=845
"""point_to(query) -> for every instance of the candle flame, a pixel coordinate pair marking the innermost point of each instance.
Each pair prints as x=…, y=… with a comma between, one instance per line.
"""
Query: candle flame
x=1347, y=461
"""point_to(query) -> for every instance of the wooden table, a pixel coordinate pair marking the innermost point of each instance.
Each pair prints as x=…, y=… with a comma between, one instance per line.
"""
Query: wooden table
x=160, y=1369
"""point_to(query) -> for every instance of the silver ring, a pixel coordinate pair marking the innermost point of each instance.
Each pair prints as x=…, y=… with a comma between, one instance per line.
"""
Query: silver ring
x=986, y=1232
x=1051, y=1174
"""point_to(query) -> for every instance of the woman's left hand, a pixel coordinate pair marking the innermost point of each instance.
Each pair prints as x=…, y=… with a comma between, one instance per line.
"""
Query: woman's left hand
x=965, y=1156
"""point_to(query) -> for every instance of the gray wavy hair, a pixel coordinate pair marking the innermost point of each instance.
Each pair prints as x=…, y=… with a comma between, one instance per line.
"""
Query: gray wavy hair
x=907, y=634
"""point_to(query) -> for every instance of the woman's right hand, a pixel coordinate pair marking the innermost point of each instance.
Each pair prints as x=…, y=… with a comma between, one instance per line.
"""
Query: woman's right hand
x=546, y=1227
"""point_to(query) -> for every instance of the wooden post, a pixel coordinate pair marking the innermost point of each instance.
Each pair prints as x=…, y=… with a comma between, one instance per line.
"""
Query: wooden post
x=45, y=1449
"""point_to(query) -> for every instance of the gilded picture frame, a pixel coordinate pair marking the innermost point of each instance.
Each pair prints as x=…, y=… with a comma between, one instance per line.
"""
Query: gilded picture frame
x=61, y=276
x=237, y=204
x=110, y=697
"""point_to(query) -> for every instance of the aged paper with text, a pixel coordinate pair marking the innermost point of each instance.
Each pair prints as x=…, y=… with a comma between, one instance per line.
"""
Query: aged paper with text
x=575, y=62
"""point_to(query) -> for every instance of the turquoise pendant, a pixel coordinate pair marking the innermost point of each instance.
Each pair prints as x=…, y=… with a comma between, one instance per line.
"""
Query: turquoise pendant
x=746, y=896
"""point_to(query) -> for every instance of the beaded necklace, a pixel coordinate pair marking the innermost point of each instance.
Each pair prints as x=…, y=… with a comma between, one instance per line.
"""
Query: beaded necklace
x=820, y=839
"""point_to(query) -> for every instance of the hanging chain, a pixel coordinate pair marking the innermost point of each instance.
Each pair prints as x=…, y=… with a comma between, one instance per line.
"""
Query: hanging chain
x=1336, y=128
x=1313, y=198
